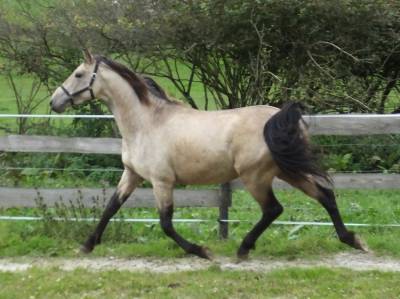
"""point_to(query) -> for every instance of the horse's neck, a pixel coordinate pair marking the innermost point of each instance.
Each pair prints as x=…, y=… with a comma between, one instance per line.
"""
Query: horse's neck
x=130, y=115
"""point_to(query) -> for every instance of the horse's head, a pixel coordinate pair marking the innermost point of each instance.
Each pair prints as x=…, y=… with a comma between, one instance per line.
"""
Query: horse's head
x=79, y=87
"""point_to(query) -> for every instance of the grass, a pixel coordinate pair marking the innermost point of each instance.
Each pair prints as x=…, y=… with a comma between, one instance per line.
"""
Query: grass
x=210, y=283
x=8, y=104
x=7, y=97
x=49, y=238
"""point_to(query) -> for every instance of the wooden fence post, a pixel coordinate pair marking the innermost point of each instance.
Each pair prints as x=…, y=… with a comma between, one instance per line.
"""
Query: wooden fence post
x=226, y=202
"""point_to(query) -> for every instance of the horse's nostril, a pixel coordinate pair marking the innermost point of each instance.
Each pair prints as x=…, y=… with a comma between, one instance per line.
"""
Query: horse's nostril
x=51, y=103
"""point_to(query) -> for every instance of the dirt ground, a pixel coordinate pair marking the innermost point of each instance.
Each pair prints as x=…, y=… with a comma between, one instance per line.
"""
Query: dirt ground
x=354, y=261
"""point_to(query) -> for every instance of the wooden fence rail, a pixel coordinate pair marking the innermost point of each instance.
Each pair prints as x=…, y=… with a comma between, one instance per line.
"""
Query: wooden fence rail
x=318, y=125
x=343, y=125
x=353, y=124
x=143, y=197
x=51, y=144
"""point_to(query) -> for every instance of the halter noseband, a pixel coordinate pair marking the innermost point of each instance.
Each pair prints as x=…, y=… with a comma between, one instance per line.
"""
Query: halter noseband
x=87, y=88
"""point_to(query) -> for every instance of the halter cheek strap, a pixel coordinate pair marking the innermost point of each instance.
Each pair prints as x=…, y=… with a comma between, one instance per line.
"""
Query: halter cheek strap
x=87, y=88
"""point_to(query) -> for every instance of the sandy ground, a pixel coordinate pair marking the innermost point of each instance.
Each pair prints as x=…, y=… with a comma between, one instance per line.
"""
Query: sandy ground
x=354, y=261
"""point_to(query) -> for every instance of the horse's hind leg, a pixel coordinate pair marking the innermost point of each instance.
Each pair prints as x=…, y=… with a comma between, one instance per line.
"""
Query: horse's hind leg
x=128, y=182
x=326, y=198
x=270, y=207
x=163, y=194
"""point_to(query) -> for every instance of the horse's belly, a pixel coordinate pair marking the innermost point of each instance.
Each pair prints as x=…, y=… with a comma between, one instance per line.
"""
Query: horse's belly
x=202, y=177
x=204, y=171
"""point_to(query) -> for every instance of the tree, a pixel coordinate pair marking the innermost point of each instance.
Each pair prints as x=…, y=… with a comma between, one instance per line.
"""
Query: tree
x=332, y=55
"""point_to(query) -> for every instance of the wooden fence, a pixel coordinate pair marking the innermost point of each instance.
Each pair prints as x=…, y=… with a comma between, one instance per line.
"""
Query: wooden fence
x=220, y=198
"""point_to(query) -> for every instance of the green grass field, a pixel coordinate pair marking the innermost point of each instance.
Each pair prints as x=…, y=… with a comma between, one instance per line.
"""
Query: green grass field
x=211, y=283
x=122, y=240
x=50, y=238
x=7, y=96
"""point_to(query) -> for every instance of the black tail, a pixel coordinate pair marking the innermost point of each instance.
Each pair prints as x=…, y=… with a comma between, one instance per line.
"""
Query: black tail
x=289, y=145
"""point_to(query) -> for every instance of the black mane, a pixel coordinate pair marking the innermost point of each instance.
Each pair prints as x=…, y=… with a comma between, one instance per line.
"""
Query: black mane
x=155, y=88
x=141, y=85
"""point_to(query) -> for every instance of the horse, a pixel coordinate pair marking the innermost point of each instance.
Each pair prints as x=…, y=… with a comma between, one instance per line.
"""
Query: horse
x=167, y=143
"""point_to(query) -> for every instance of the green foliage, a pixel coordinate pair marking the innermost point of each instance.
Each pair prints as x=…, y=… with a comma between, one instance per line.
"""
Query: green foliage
x=56, y=222
x=377, y=153
x=339, y=162
x=59, y=170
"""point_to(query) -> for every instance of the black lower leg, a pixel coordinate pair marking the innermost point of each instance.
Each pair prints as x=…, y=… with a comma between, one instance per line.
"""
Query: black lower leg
x=111, y=209
x=271, y=211
x=328, y=201
x=167, y=226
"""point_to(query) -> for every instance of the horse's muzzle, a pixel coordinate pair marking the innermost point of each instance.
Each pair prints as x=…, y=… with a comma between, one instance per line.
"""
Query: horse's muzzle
x=58, y=106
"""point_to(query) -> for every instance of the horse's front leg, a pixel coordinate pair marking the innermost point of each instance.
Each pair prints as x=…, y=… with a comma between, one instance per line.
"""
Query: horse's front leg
x=128, y=182
x=163, y=193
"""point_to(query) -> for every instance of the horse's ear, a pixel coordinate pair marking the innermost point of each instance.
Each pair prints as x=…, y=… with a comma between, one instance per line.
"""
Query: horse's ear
x=89, y=59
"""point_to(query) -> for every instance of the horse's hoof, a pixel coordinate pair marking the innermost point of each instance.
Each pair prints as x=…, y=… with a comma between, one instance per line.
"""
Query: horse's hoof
x=354, y=241
x=242, y=258
x=242, y=254
x=359, y=244
x=85, y=249
x=200, y=251
x=89, y=244
x=205, y=253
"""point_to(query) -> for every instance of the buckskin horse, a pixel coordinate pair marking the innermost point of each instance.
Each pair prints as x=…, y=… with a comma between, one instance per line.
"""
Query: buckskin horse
x=167, y=143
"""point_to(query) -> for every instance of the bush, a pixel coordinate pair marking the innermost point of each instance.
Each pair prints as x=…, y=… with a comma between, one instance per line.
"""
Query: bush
x=379, y=153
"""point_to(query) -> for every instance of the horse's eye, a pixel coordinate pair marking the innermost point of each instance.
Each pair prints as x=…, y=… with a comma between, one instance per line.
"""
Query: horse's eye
x=78, y=75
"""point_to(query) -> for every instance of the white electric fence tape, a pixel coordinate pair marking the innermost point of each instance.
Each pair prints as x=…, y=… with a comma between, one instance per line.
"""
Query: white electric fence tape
x=155, y=220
